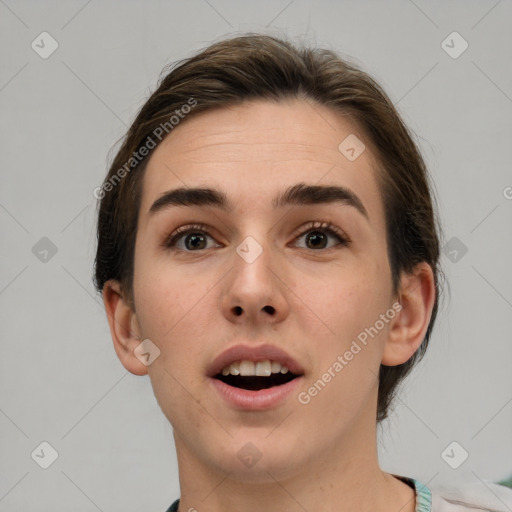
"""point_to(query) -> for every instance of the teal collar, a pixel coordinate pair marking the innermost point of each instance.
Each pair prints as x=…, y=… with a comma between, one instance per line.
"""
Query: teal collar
x=423, y=495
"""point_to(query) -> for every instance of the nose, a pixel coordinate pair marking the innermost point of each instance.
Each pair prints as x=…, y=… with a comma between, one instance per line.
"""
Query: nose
x=256, y=289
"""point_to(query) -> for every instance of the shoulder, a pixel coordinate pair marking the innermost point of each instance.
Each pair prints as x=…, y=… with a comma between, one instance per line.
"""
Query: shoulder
x=469, y=497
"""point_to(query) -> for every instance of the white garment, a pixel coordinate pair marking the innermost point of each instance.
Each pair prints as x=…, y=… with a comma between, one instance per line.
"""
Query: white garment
x=468, y=497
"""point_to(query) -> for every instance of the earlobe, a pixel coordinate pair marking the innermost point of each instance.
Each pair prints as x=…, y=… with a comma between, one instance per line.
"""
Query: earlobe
x=416, y=296
x=124, y=327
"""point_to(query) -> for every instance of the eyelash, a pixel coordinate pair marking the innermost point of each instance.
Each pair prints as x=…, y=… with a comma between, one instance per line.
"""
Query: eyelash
x=328, y=227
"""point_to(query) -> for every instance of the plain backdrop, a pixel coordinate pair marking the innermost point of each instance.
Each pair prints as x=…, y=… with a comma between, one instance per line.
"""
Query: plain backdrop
x=61, y=381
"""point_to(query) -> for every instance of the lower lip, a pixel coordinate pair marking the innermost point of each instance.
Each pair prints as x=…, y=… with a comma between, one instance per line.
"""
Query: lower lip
x=252, y=400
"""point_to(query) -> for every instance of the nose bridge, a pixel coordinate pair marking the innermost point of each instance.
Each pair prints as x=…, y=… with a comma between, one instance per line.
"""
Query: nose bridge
x=254, y=251
x=254, y=289
x=253, y=261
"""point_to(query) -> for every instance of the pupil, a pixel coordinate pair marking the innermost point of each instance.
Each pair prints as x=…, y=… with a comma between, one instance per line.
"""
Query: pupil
x=316, y=236
x=194, y=237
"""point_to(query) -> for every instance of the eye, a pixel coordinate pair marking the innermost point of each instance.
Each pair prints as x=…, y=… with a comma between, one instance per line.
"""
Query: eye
x=194, y=238
x=316, y=235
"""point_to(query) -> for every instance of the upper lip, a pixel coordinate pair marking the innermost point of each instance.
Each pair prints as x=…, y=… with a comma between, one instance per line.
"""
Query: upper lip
x=259, y=353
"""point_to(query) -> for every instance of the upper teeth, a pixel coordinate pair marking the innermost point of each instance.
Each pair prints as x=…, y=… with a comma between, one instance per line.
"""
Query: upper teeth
x=250, y=368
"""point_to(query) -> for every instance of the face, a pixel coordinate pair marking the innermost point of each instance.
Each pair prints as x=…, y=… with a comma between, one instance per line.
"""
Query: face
x=254, y=274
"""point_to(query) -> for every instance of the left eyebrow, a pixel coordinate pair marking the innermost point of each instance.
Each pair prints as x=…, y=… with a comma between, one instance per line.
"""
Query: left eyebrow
x=297, y=195
x=303, y=194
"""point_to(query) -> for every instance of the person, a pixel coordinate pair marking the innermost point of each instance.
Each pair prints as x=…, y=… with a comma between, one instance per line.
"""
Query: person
x=268, y=253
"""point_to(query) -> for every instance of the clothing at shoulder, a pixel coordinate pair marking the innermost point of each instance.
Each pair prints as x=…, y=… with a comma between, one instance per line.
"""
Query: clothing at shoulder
x=468, y=497
x=174, y=506
x=489, y=497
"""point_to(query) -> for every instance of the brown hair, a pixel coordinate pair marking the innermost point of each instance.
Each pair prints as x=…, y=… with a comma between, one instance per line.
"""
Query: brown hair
x=263, y=67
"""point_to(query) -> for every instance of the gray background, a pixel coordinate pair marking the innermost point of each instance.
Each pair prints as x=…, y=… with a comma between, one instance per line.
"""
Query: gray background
x=61, y=381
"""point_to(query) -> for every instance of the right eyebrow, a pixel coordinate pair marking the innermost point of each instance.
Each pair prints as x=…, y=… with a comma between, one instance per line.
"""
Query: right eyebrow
x=192, y=197
x=298, y=195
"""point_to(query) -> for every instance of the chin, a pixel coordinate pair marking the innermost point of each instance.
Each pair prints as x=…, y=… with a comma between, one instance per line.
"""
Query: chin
x=259, y=460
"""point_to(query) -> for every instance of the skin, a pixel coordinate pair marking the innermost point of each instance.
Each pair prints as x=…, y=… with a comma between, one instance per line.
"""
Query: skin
x=319, y=456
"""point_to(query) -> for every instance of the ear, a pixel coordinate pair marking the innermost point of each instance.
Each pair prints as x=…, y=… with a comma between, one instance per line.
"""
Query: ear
x=416, y=296
x=124, y=327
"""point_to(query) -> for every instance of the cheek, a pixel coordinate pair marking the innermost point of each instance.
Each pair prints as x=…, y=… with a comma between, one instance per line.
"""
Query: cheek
x=176, y=312
x=349, y=302
x=346, y=366
x=350, y=306
x=166, y=298
x=170, y=310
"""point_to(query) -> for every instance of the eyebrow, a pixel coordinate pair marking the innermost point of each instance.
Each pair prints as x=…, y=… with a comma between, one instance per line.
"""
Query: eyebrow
x=296, y=195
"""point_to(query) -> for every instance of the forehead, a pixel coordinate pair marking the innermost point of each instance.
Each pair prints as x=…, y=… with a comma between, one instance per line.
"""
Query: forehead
x=256, y=150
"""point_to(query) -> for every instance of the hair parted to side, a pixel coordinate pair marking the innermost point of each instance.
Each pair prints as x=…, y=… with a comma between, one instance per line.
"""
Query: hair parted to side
x=252, y=67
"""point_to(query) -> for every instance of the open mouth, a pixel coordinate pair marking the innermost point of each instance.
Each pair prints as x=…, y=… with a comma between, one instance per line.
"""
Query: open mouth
x=255, y=377
x=254, y=382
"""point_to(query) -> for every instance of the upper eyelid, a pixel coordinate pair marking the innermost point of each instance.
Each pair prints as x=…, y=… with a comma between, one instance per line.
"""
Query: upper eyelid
x=322, y=225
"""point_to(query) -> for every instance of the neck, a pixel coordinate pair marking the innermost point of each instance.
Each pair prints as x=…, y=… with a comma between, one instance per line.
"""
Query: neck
x=343, y=477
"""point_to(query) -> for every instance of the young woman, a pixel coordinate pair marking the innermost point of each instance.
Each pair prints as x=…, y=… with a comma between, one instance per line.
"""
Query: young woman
x=268, y=252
